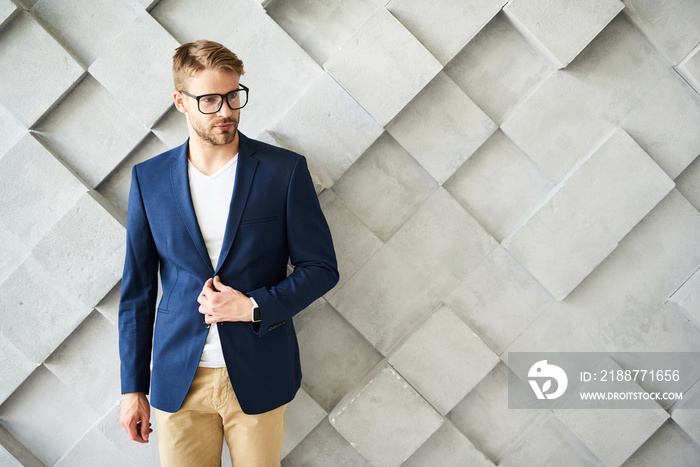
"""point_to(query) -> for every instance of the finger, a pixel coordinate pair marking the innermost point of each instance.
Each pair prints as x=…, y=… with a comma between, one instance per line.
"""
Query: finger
x=202, y=299
x=132, y=430
x=145, y=422
x=209, y=293
x=138, y=438
x=218, y=285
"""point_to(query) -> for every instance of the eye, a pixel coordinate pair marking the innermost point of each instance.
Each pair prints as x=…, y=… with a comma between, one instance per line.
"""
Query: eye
x=209, y=99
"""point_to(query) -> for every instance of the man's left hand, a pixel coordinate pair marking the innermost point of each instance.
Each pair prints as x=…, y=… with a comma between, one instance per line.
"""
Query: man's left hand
x=219, y=303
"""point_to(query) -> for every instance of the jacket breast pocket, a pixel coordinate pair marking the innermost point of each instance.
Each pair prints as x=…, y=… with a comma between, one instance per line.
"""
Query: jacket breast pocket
x=258, y=220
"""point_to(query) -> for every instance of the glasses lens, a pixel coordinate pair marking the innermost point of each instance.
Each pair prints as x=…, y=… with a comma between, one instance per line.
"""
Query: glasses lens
x=209, y=104
x=237, y=98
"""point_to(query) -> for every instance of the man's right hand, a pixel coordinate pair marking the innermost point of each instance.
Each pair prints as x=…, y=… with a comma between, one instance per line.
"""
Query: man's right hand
x=135, y=416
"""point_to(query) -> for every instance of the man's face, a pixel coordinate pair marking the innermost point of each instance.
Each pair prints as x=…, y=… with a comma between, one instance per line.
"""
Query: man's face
x=212, y=129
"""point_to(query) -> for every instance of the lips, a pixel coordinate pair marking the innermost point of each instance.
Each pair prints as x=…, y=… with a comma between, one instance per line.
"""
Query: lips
x=224, y=127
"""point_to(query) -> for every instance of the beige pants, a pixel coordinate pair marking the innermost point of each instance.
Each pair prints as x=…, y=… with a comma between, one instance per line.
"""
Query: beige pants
x=193, y=436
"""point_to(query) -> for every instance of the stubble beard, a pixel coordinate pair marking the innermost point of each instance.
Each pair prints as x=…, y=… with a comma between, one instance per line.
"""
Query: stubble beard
x=210, y=136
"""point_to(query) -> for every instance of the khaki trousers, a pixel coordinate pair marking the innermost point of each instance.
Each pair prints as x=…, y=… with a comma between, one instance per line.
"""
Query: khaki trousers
x=193, y=436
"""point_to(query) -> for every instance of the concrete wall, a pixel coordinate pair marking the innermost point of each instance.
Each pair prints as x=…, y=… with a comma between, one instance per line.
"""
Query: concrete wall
x=499, y=176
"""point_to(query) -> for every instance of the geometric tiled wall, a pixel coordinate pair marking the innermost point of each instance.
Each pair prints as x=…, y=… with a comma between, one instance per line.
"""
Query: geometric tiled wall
x=498, y=175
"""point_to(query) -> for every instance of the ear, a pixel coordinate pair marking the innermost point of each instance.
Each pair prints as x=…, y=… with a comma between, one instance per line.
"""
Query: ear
x=180, y=102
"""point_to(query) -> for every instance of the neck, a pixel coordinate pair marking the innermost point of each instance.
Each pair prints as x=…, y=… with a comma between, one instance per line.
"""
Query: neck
x=208, y=158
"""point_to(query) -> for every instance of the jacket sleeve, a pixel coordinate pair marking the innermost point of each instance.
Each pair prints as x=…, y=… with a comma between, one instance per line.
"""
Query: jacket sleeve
x=311, y=254
x=139, y=290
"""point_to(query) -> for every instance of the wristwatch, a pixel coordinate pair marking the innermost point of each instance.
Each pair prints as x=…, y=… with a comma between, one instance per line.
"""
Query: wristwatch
x=256, y=311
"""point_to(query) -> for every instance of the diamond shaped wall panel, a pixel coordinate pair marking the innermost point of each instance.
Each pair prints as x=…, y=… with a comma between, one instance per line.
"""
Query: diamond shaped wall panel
x=383, y=66
x=385, y=186
x=483, y=416
x=335, y=357
x=443, y=360
x=116, y=186
x=448, y=447
x=88, y=362
x=36, y=70
x=668, y=238
x=555, y=126
x=112, y=136
x=498, y=176
x=498, y=68
x=327, y=109
x=444, y=27
x=85, y=27
x=48, y=426
x=354, y=242
x=403, y=419
x=171, y=129
x=417, y=267
x=85, y=250
x=499, y=185
x=321, y=28
x=561, y=30
x=137, y=67
x=561, y=244
x=656, y=331
x=37, y=190
x=617, y=69
x=664, y=124
x=620, y=184
x=187, y=21
x=301, y=416
x=499, y=300
x=672, y=26
x=37, y=323
x=441, y=127
x=555, y=330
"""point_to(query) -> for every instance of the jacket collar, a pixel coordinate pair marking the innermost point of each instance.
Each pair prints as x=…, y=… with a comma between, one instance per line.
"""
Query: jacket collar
x=245, y=170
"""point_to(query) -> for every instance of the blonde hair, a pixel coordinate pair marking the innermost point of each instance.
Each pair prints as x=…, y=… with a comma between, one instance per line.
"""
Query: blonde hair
x=196, y=56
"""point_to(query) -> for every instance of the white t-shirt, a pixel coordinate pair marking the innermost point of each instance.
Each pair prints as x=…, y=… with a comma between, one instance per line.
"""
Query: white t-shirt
x=211, y=197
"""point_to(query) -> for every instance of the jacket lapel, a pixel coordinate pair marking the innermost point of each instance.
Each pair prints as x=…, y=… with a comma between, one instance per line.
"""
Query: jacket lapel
x=181, y=189
x=244, y=177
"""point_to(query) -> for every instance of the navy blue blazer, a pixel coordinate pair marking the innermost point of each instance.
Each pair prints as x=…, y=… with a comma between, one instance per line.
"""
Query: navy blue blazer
x=274, y=218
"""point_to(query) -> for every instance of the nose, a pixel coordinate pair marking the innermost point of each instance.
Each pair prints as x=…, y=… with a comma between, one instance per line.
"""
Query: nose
x=225, y=110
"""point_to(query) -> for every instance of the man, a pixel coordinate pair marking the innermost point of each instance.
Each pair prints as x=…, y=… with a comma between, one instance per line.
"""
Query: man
x=219, y=218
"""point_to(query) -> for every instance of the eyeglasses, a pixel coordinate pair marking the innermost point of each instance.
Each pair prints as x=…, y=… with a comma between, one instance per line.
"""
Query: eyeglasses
x=211, y=103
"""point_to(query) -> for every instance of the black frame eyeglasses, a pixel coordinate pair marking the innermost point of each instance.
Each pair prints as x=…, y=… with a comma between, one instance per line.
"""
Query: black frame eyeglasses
x=236, y=99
